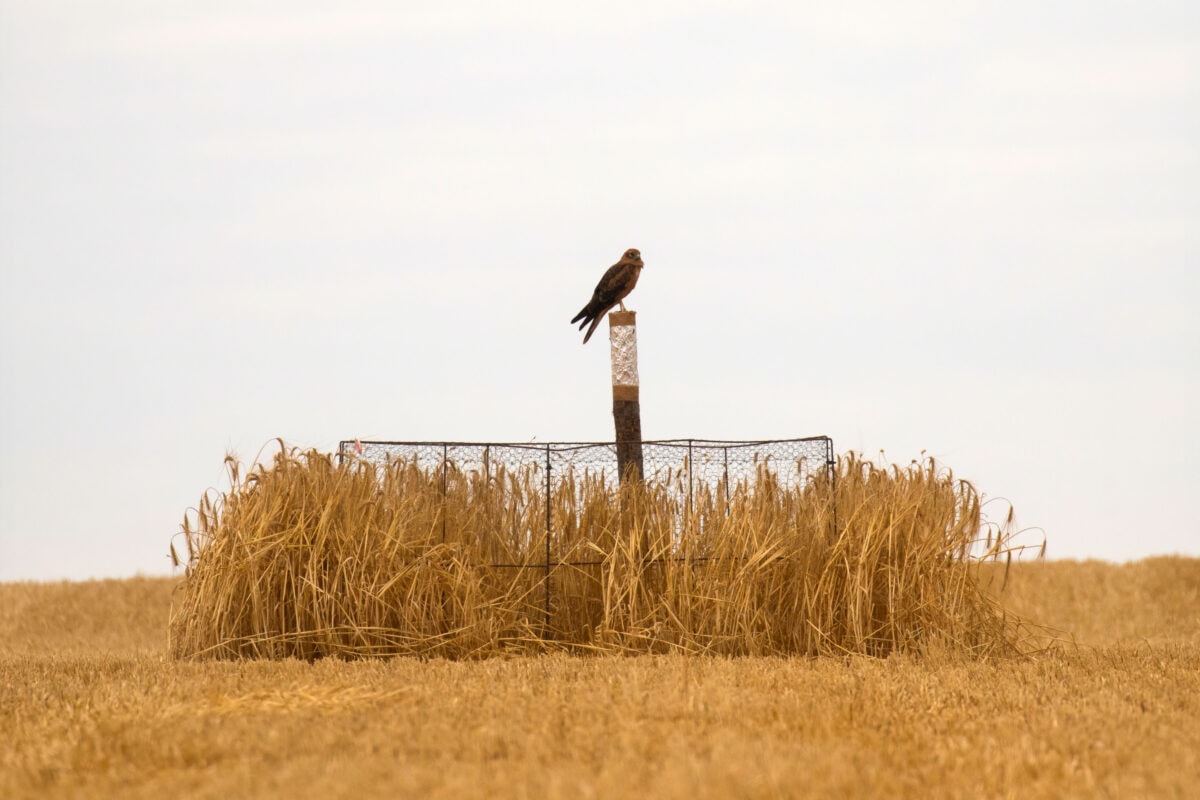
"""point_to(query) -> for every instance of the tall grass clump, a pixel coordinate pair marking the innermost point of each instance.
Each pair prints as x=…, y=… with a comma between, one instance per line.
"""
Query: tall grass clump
x=307, y=557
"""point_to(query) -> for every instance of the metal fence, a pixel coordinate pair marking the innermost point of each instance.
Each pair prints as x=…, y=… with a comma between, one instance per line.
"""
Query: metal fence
x=681, y=468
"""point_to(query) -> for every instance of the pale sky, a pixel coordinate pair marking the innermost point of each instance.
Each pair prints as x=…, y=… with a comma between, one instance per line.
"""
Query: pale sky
x=966, y=229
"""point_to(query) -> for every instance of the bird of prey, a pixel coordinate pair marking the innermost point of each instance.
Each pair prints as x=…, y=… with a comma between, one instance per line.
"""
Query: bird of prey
x=612, y=289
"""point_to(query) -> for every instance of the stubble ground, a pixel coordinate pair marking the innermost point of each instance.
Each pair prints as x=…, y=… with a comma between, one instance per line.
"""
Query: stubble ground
x=91, y=705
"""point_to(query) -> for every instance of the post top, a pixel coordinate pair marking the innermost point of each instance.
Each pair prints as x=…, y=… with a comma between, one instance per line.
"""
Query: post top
x=622, y=318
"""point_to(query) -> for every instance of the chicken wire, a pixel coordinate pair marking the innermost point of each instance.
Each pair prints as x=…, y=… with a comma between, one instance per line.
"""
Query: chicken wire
x=682, y=468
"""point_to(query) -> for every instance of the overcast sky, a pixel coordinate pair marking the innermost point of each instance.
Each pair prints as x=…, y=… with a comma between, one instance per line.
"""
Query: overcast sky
x=966, y=229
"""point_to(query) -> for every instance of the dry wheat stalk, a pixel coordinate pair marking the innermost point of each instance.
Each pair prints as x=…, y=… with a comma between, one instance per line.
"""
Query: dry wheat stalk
x=309, y=558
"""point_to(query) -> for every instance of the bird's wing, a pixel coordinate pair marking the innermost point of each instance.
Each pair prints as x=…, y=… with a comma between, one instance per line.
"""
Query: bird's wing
x=617, y=282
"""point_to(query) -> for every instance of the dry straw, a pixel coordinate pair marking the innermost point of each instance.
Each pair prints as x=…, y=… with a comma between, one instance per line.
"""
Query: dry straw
x=310, y=558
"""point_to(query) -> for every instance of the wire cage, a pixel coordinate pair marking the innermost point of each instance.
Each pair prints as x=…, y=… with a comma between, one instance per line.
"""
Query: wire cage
x=683, y=466
x=685, y=473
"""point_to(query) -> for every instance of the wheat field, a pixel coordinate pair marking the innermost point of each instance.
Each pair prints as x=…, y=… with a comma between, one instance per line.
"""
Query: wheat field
x=91, y=705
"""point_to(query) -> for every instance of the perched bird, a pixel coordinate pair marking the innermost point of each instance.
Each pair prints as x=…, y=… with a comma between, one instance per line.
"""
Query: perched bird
x=612, y=289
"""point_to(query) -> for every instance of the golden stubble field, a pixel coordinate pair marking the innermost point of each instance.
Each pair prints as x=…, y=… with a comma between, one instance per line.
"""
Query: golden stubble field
x=91, y=706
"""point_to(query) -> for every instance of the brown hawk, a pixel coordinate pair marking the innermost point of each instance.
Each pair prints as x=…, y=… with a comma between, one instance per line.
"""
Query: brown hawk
x=612, y=289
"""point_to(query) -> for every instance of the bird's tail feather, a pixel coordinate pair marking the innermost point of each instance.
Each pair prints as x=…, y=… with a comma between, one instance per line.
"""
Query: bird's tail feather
x=591, y=330
x=582, y=313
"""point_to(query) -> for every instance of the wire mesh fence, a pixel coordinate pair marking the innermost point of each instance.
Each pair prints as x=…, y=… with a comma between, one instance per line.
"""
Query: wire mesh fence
x=683, y=467
x=548, y=491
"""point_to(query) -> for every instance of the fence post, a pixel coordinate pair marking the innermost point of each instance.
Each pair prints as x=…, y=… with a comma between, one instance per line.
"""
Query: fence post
x=445, y=466
x=547, y=595
x=726, y=453
x=831, y=467
x=691, y=462
x=627, y=409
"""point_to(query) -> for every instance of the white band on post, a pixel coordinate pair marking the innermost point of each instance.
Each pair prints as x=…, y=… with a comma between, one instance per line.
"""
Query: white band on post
x=627, y=409
x=622, y=334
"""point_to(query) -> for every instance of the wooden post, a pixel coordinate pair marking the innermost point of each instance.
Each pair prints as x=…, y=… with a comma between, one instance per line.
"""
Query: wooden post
x=627, y=409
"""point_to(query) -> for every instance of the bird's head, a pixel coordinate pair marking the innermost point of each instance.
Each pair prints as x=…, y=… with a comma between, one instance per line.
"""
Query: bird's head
x=632, y=254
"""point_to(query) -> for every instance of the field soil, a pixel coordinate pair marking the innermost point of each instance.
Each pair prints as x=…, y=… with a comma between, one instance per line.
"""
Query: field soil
x=91, y=706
